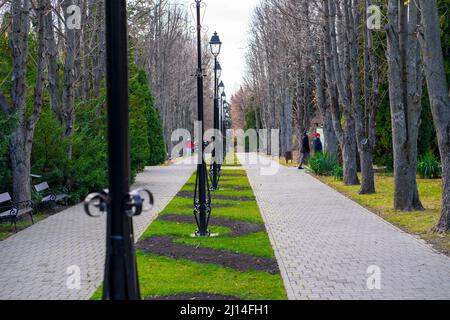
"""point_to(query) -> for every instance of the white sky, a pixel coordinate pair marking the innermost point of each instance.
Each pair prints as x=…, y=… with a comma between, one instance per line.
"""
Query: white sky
x=231, y=20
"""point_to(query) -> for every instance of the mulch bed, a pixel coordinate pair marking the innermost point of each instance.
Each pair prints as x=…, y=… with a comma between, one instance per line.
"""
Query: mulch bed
x=200, y=296
x=164, y=246
x=190, y=195
x=239, y=228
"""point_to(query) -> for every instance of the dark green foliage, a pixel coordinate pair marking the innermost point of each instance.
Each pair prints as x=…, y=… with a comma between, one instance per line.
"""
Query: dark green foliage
x=5, y=124
x=383, y=154
x=88, y=164
x=428, y=167
x=80, y=161
x=49, y=156
x=444, y=11
x=322, y=164
x=5, y=164
x=250, y=124
x=427, y=141
x=156, y=138
x=250, y=120
x=139, y=103
x=338, y=173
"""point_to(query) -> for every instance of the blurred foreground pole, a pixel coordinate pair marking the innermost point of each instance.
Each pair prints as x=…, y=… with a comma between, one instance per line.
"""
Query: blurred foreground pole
x=121, y=280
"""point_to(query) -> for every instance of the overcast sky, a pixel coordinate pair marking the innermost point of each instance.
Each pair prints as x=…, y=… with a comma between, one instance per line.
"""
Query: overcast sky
x=231, y=20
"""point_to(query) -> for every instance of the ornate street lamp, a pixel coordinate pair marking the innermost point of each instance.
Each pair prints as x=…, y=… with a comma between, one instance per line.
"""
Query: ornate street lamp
x=215, y=45
x=120, y=276
x=222, y=125
x=221, y=87
x=218, y=70
x=202, y=195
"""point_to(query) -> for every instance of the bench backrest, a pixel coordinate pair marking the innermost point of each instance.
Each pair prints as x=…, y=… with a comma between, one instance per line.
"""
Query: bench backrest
x=41, y=187
x=5, y=197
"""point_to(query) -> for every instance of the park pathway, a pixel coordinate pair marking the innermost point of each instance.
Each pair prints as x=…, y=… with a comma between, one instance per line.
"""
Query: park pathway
x=325, y=243
x=34, y=262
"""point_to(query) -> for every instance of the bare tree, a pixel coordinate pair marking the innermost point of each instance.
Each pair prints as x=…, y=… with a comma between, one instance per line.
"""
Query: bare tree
x=439, y=96
x=26, y=119
x=405, y=91
x=164, y=46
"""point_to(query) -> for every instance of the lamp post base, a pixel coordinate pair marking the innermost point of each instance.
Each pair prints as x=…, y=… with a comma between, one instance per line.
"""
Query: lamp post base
x=207, y=235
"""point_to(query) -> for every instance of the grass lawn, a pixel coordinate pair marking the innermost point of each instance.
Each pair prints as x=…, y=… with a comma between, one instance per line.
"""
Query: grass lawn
x=7, y=229
x=164, y=276
x=418, y=222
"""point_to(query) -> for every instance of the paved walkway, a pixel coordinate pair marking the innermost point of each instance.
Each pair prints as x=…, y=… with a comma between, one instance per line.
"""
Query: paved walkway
x=325, y=243
x=34, y=262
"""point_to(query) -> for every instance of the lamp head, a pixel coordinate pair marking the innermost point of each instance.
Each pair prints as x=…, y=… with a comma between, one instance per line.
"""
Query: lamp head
x=215, y=45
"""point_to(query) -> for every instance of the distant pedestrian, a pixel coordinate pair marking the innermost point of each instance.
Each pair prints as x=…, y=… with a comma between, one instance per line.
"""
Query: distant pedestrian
x=305, y=150
x=317, y=144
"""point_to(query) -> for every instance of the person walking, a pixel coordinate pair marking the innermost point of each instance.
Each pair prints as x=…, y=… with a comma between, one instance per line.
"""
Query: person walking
x=305, y=150
x=317, y=144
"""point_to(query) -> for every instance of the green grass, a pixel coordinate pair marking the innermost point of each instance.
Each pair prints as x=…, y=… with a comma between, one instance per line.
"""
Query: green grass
x=7, y=229
x=161, y=276
x=164, y=276
x=240, y=210
x=168, y=228
x=231, y=160
x=416, y=222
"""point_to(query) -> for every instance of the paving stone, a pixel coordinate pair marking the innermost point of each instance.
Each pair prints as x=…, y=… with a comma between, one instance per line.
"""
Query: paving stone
x=324, y=238
x=35, y=261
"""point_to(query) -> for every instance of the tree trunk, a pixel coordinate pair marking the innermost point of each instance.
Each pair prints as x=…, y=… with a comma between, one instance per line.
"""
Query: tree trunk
x=368, y=178
x=98, y=59
x=340, y=77
x=439, y=97
x=331, y=145
x=20, y=166
x=53, y=66
x=404, y=92
x=349, y=151
x=70, y=71
x=22, y=136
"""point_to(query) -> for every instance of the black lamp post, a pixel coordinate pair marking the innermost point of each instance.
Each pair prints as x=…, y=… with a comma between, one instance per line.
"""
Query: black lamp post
x=221, y=91
x=223, y=129
x=221, y=88
x=120, y=277
x=215, y=45
x=202, y=195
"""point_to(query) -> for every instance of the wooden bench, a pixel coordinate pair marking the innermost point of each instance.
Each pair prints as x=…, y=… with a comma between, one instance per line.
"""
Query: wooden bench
x=48, y=196
x=12, y=211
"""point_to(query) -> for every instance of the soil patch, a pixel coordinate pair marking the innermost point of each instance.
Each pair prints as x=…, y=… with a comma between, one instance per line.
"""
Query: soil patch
x=164, y=246
x=239, y=228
